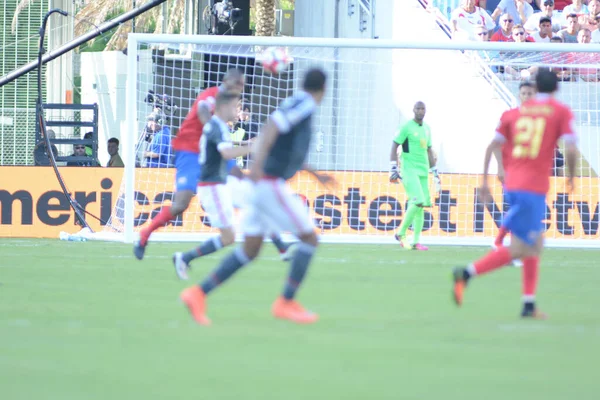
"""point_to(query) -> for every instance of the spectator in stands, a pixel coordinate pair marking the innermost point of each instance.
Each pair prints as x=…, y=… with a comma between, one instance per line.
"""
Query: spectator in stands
x=40, y=155
x=578, y=8
x=559, y=5
x=159, y=154
x=519, y=9
x=88, y=148
x=591, y=60
x=569, y=34
x=544, y=34
x=504, y=34
x=533, y=23
x=465, y=18
x=590, y=20
x=517, y=69
x=596, y=32
x=113, y=151
x=79, y=151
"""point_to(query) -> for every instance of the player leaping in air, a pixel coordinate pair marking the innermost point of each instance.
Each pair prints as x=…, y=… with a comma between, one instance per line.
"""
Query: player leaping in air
x=186, y=146
x=417, y=157
x=281, y=151
x=526, y=92
x=216, y=148
x=531, y=132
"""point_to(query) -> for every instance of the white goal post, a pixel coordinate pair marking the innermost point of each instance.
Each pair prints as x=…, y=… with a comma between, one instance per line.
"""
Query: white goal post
x=372, y=86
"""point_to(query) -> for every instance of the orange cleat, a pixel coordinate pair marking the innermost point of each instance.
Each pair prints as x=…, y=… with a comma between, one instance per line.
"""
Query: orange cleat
x=459, y=285
x=194, y=299
x=293, y=311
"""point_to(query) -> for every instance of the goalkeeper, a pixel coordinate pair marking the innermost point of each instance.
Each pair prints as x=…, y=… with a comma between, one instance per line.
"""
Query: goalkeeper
x=417, y=157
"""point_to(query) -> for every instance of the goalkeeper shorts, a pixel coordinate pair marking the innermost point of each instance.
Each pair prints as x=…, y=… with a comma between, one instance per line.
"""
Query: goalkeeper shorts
x=417, y=189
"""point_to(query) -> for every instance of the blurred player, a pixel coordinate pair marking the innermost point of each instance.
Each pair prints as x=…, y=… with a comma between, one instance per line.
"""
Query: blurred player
x=526, y=92
x=531, y=132
x=186, y=149
x=417, y=157
x=216, y=148
x=280, y=152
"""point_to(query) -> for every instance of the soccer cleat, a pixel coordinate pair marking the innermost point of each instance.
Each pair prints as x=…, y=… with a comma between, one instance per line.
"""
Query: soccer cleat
x=460, y=283
x=533, y=314
x=181, y=267
x=194, y=299
x=419, y=247
x=402, y=241
x=292, y=311
x=139, y=249
x=288, y=253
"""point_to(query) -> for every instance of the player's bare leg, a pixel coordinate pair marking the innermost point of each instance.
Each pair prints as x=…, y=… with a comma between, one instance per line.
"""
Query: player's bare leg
x=286, y=307
x=180, y=203
x=181, y=261
x=195, y=296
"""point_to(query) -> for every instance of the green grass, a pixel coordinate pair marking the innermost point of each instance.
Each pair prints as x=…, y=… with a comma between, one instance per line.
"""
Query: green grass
x=87, y=321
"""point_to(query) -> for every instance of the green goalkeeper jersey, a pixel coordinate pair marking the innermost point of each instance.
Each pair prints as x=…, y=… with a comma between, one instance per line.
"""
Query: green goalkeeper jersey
x=415, y=139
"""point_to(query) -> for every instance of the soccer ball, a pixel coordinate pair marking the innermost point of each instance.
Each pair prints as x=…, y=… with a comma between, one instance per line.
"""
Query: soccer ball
x=275, y=60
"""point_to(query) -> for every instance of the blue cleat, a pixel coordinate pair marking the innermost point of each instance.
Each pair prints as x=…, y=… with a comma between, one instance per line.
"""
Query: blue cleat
x=138, y=249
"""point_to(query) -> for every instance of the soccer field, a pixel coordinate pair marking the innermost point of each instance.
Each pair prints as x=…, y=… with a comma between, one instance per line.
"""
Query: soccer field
x=88, y=321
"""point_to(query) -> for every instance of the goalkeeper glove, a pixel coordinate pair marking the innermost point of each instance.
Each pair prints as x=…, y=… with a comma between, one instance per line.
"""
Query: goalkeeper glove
x=436, y=180
x=394, y=173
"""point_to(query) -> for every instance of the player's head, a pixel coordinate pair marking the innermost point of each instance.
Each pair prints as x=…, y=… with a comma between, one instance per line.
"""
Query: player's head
x=419, y=110
x=314, y=83
x=546, y=81
x=526, y=91
x=234, y=80
x=226, y=105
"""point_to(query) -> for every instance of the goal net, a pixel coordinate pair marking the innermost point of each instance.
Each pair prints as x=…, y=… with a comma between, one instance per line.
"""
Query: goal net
x=372, y=87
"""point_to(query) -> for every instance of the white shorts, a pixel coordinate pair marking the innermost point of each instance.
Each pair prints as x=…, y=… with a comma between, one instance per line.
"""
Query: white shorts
x=274, y=207
x=216, y=200
x=241, y=191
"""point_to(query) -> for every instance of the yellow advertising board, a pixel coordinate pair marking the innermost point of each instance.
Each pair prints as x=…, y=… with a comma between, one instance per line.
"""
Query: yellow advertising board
x=32, y=204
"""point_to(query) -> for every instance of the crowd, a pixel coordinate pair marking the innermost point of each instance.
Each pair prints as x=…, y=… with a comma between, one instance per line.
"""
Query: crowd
x=518, y=21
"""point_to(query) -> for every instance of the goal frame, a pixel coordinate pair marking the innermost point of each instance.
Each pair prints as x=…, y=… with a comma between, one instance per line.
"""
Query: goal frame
x=128, y=140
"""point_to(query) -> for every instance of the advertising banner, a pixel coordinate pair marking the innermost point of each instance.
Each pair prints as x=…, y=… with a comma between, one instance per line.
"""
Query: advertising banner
x=364, y=203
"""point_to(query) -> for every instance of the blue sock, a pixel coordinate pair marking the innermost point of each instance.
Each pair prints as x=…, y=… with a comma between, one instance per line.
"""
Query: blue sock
x=281, y=246
x=210, y=246
x=300, y=262
x=229, y=266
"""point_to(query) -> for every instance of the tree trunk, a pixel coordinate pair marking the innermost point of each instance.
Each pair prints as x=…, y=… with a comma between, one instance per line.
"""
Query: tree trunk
x=265, y=17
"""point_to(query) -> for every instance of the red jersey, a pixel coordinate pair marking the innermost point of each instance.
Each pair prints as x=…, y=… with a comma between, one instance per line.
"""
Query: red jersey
x=188, y=138
x=532, y=132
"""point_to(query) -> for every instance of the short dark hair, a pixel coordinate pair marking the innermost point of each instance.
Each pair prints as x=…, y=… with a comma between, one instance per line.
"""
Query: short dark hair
x=314, y=81
x=546, y=81
x=233, y=74
x=225, y=98
x=528, y=84
x=572, y=15
x=113, y=140
x=556, y=39
x=545, y=19
x=88, y=135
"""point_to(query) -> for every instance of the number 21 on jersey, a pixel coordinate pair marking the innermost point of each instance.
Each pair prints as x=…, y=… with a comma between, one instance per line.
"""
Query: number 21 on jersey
x=528, y=137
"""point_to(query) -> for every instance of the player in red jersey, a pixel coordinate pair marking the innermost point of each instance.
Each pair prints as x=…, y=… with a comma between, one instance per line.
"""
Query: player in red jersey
x=186, y=146
x=532, y=132
x=526, y=92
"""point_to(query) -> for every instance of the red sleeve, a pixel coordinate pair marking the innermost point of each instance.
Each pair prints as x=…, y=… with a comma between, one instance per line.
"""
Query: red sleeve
x=504, y=125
